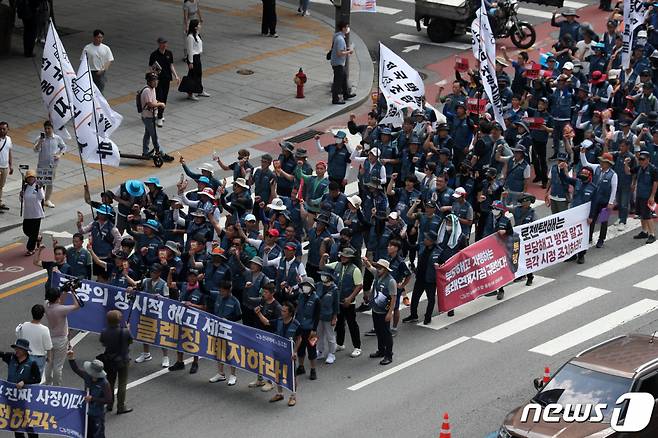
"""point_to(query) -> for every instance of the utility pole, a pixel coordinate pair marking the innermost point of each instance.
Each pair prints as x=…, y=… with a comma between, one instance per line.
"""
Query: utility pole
x=343, y=10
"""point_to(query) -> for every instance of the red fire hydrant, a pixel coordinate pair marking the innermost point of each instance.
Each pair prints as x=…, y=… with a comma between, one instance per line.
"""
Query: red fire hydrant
x=300, y=80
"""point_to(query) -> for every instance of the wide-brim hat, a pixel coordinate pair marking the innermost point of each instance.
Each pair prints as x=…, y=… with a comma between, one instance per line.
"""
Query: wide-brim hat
x=104, y=209
x=173, y=246
x=652, y=116
x=287, y=146
x=562, y=156
x=208, y=167
x=135, y=188
x=501, y=61
x=219, y=252
x=384, y=264
x=309, y=281
x=519, y=148
x=301, y=153
x=607, y=158
x=347, y=252
x=153, y=180
x=198, y=213
x=569, y=12
x=526, y=197
x=257, y=260
x=431, y=235
x=598, y=77
x=95, y=369
x=355, y=200
x=522, y=124
x=23, y=344
x=207, y=191
x=241, y=182
x=277, y=204
x=152, y=224
x=322, y=219
x=373, y=184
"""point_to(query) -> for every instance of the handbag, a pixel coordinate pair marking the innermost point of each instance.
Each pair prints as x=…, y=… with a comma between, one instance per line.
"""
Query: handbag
x=189, y=85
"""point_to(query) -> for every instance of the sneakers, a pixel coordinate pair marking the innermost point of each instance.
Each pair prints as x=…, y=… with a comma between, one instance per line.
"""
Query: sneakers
x=274, y=35
x=581, y=259
x=356, y=352
x=192, y=97
x=232, y=380
x=165, y=362
x=194, y=368
x=427, y=320
x=124, y=410
x=599, y=244
x=49, y=204
x=300, y=370
x=500, y=294
x=313, y=375
x=376, y=354
x=410, y=318
x=385, y=361
x=331, y=358
x=219, y=377
x=340, y=347
x=349, y=96
x=256, y=383
x=394, y=331
x=371, y=333
x=338, y=102
x=143, y=357
x=177, y=366
x=159, y=123
x=651, y=239
x=621, y=226
x=167, y=158
x=267, y=387
x=203, y=94
x=641, y=235
x=276, y=397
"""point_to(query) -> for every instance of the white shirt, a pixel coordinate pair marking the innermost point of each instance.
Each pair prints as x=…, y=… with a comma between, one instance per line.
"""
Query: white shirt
x=38, y=335
x=32, y=198
x=5, y=147
x=98, y=56
x=47, y=148
x=194, y=47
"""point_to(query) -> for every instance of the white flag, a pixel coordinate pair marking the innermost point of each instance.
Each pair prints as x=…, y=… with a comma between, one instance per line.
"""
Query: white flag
x=107, y=119
x=401, y=85
x=633, y=17
x=94, y=148
x=484, y=50
x=56, y=74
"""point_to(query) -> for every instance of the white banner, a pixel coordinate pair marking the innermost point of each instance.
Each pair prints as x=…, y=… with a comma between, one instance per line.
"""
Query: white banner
x=552, y=239
x=107, y=119
x=484, y=50
x=401, y=85
x=56, y=71
x=633, y=17
x=94, y=148
x=364, y=6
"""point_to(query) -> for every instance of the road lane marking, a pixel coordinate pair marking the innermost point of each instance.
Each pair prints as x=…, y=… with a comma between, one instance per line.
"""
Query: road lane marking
x=408, y=363
x=152, y=376
x=613, y=231
x=574, y=5
x=649, y=283
x=541, y=314
x=620, y=262
x=77, y=338
x=483, y=303
x=23, y=287
x=378, y=9
x=10, y=246
x=424, y=40
x=535, y=13
x=596, y=328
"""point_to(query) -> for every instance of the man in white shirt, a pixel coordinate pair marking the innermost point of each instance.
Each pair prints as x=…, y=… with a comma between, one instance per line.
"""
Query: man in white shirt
x=50, y=147
x=99, y=57
x=39, y=336
x=6, y=167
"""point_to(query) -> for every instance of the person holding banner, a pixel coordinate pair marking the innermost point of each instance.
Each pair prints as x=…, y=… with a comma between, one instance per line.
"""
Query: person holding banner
x=157, y=286
x=288, y=327
x=23, y=370
x=99, y=393
x=228, y=307
x=50, y=148
x=584, y=191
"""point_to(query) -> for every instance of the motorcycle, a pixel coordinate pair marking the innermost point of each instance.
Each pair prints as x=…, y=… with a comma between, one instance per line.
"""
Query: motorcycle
x=506, y=23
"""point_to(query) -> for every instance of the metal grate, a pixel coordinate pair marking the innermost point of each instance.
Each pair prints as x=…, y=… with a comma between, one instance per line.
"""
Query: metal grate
x=300, y=138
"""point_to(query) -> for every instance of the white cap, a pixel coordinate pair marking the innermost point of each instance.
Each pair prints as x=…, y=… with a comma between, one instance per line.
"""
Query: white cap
x=393, y=215
x=375, y=152
x=586, y=144
x=568, y=65
x=355, y=201
x=614, y=73
x=642, y=34
x=250, y=217
x=459, y=192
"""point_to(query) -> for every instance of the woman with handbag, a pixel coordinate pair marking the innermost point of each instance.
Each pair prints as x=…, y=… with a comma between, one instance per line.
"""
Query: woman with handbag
x=116, y=340
x=191, y=84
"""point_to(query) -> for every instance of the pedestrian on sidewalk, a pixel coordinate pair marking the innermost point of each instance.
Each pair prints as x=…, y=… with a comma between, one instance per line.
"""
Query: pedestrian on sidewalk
x=116, y=340
x=50, y=148
x=38, y=335
x=99, y=57
x=194, y=51
x=268, y=25
x=162, y=63
x=191, y=11
x=32, y=197
x=303, y=8
x=6, y=159
x=28, y=11
x=150, y=106
x=56, y=314
x=339, y=54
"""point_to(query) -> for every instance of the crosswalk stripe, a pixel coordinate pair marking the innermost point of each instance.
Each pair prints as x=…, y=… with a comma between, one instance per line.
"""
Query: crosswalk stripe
x=379, y=9
x=535, y=13
x=620, y=262
x=649, y=283
x=424, y=40
x=596, y=328
x=613, y=231
x=409, y=22
x=483, y=303
x=575, y=5
x=541, y=314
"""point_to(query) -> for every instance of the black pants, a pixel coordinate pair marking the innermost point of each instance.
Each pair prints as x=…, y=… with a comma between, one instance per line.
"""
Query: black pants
x=268, y=25
x=480, y=225
x=429, y=289
x=30, y=26
x=304, y=346
x=120, y=372
x=197, y=72
x=99, y=79
x=347, y=314
x=29, y=435
x=384, y=336
x=95, y=427
x=539, y=160
x=604, y=225
x=31, y=230
x=249, y=317
x=161, y=93
x=339, y=85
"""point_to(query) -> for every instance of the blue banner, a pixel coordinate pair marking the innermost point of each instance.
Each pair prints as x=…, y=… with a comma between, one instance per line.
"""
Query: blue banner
x=162, y=322
x=50, y=410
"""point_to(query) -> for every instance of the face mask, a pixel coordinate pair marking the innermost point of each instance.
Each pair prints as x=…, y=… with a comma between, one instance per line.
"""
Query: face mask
x=347, y=30
x=306, y=289
x=325, y=278
x=496, y=213
x=583, y=178
x=641, y=41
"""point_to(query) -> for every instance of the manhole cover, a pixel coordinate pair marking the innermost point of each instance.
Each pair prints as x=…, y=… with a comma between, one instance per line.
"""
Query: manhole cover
x=274, y=118
x=245, y=71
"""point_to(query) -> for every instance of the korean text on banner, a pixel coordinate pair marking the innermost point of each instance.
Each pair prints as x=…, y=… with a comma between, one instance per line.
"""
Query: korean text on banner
x=56, y=71
x=363, y=6
x=169, y=324
x=484, y=50
x=401, y=85
x=42, y=409
x=476, y=270
x=552, y=239
x=633, y=17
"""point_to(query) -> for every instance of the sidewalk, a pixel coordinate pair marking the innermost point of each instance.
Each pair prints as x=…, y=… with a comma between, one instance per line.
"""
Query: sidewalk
x=243, y=110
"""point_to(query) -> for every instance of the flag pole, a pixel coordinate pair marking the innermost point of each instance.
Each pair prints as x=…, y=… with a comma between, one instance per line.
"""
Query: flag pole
x=68, y=97
x=479, y=92
x=93, y=104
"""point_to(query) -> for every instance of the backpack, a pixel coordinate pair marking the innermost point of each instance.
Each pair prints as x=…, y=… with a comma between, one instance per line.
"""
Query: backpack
x=138, y=100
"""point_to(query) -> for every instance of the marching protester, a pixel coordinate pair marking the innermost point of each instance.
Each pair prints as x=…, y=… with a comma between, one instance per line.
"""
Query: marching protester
x=116, y=340
x=23, y=370
x=99, y=393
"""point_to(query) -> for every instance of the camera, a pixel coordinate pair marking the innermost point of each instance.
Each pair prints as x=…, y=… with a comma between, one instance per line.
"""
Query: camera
x=71, y=286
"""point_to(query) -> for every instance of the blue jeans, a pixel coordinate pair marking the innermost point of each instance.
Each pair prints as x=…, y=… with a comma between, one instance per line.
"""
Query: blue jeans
x=623, y=201
x=303, y=5
x=151, y=134
x=41, y=362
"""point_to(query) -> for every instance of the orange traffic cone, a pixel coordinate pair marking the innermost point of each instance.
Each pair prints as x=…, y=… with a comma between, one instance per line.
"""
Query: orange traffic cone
x=547, y=375
x=445, y=427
